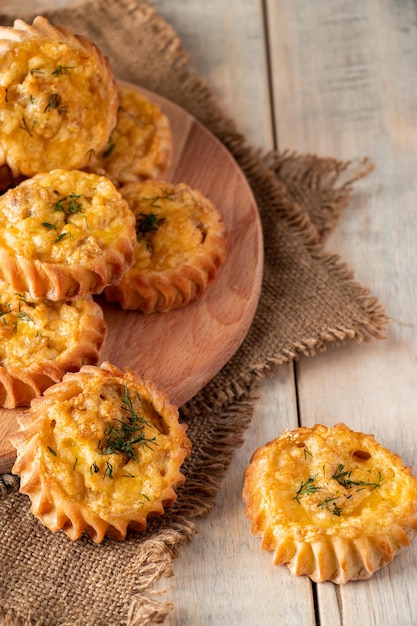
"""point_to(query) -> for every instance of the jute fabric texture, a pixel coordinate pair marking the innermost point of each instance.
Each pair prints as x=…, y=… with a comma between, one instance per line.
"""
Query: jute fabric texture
x=309, y=301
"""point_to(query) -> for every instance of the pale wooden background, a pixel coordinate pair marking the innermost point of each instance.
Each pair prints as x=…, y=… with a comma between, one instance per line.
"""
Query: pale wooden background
x=337, y=78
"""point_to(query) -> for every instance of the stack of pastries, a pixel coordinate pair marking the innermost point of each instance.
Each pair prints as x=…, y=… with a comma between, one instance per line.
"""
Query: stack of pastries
x=85, y=210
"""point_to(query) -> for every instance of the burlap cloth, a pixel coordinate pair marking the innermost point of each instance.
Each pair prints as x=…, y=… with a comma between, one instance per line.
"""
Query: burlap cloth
x=309, y=301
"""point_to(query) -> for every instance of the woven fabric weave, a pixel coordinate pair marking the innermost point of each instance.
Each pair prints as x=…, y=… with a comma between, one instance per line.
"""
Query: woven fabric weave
x=309, y=301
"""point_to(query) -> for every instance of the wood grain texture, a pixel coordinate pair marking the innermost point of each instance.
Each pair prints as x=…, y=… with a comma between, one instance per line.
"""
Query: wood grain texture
x=181, y=350
x=346, y=69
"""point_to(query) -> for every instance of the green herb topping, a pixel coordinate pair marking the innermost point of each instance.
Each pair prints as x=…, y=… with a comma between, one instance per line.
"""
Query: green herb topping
x=62, y=69
x=306, y=487
x=24, y=126
x=55, y=102
x=343, y=477
x=122, y=436
x=147, y=223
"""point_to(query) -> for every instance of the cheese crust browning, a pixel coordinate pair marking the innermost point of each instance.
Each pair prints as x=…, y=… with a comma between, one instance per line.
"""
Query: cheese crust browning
x=41, y=340
x=64, y=234
x=100, y=453
x=181, y=245
x=58, y=98
x=140, y=146
x=331, y=503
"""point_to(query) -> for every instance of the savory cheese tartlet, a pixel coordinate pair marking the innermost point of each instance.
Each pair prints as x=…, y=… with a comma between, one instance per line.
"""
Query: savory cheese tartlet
x=140, y=146
x=65, y=234
x=41, y=340
x=100, y=453
x=331, y=503
x=181, y=245
x=58, y=98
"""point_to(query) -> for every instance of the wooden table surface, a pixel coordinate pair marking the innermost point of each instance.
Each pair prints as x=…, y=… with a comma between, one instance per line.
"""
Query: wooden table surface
x=335, y=78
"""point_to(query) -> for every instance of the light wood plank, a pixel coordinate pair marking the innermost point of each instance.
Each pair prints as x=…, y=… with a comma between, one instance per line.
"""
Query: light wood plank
x=222, y=576
x=225, y=43
x=347, y=68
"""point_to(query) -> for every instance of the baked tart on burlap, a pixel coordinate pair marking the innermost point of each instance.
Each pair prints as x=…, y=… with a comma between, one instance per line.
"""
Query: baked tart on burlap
x=41, y=340
x=331, y=503
x=64, y=234
x=181, y=245
x=140, y=146
x=100, y=453
x=58, y=98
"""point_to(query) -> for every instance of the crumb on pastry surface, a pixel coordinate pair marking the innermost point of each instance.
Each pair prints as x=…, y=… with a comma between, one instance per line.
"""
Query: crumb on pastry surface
x=331, y=503
x=108, y=453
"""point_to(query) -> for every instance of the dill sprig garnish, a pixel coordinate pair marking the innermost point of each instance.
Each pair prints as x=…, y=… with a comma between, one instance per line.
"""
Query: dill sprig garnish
x=307, y=452
x=343, y=477
x=121, y=439
x=69, y=204
x=5, y=309
x=15, y=313
x=330, y=504
x=62, y=69
x=168, y=195
x=62, y=236
x=55, y=101
x=305, y=488
x=147, y=223
x=24, y=126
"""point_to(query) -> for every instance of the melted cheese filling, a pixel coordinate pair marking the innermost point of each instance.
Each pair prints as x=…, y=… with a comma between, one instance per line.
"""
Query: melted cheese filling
x=330, y=483
x=76, y=450
x=180, y=226
x=63, y=217
x=53, y=102
x=135, y=141
x=32, y=332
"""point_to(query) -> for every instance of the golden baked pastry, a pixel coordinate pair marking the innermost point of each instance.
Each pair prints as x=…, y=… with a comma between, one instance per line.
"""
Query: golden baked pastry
x=140, y=146
x=41, y=340
x=181, y=245
x=64, y=234
x=100, y=453
x=331, y=503
x=58, y=98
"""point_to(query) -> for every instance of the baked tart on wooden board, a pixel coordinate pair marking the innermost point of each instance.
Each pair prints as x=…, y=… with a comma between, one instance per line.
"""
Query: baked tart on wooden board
x=100, y=453
x=181, y=245
x=330, y=503
x=64, y=234
x=41, y=340
x=56, y=90
x=140, y=146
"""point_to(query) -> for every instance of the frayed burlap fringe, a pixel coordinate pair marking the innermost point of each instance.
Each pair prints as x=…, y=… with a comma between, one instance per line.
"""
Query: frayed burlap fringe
x=309, y=301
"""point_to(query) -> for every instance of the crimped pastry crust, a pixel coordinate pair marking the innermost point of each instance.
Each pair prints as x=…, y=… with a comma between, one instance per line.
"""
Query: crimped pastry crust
x=140, y=146
x=331, y=503
x=100, y=453
x=58, y=98
x=64, y=234
x=41, y=340
x=181, y=245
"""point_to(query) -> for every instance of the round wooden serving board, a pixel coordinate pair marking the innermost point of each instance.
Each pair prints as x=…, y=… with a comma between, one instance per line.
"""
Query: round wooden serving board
x=181, y=350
